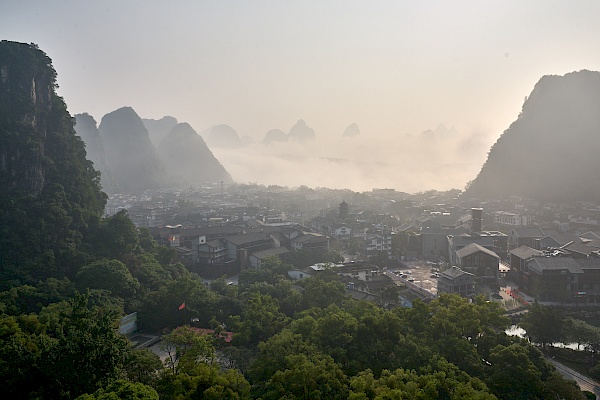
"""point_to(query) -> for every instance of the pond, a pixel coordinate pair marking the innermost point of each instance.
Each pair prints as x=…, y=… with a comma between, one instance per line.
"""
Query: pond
x=515, y=330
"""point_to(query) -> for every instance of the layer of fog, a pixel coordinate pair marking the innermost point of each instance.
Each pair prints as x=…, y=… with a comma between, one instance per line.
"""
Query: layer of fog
x=438, y=159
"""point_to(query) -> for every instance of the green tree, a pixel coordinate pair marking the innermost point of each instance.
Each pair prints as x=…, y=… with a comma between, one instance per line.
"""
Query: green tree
x=273, y=353
x=582, y=333
x=142, y=366
x=19, y=355
x=111, y=275
x=87, y=355
x=147, y=243
x=204, y=382
x=443, y=381
x=322, y=291
x=543, y=324
x=221, y=286
x=260, y=319
x=513, y=375
x=30, y=299
x=332, y=330
x=149, y=272
x=122, y=390
x=116, y=236
x=160, y=309
x=186, y=346
x=306, y=377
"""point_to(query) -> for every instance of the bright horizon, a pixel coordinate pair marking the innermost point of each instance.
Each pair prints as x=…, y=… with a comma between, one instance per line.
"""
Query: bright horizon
x=393, y=68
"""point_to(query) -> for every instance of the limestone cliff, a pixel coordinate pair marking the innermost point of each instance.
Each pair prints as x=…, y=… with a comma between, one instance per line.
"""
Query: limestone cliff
x=550, y=153
x=187, y=158
x=49, y=191
x=129, y=152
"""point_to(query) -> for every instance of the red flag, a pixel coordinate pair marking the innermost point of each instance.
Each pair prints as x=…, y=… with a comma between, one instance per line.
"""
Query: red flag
x=182, y=306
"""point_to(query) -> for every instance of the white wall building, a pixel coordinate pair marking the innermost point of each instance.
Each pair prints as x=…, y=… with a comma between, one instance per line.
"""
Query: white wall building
x=508, y=218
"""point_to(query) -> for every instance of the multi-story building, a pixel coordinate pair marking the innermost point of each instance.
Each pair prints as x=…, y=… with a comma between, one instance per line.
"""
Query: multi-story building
x=557, y=276
x=510, y=219
x=310, y=241
x=479, y=261
x=376, y=241
x=456, y=281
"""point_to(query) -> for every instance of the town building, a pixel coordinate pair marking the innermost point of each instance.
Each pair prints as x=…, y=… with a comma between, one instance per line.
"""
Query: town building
x=509, y=219
x=479, y=261
x=456, y=281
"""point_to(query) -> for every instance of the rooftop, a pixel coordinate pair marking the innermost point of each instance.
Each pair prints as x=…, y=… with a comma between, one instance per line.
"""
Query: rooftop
x=474, y=248
x=525, y=252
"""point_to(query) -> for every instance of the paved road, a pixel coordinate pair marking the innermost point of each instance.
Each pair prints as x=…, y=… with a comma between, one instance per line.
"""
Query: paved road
x=584, y=382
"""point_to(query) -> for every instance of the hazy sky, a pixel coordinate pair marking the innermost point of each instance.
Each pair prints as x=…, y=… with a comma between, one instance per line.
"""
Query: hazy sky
x=392, y=67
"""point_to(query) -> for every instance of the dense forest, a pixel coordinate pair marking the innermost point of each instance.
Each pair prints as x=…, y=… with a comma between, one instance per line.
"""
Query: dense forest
x=67, y=276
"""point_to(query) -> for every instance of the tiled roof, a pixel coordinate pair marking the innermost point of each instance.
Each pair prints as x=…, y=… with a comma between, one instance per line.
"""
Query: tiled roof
x=465, y=240
x=540, y=264
x=454, y=272
x=248, y=238
x=214, y=243
x=588, y=263
x=581, y=248
x=529, y=231
x=474, y=248
x=270, y=252
x=309, y=238
x=525, y=252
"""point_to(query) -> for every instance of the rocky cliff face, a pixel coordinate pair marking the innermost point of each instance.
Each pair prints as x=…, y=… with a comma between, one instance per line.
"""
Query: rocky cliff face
x=49, y=191
x=87, y=130
x=188, y=160
x=27, y=82
x=551, y=151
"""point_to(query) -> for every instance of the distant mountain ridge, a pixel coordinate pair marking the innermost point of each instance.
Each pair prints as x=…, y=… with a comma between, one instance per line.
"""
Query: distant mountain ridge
x=129, y=152
x=122, y=150
x=551, y=151
x=351, y=131
x=87, y=128
x=223, y=136
x=188, y=160
x=159, y=128
x=301, y=132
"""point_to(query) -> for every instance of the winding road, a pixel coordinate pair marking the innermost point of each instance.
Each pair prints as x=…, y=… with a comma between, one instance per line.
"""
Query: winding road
x=584, y=382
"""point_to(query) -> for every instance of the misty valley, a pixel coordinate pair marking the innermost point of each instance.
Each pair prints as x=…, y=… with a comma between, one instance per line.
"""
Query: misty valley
x=140, y=259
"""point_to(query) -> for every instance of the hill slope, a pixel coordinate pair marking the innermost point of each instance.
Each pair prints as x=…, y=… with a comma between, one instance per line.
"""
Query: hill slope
x=550, y=151
x=187, y=158
x=129, y=152
x=49, y=191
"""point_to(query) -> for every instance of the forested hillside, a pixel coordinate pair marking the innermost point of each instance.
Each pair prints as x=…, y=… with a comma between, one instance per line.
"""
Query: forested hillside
x=69, y=275
x=49, y=192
